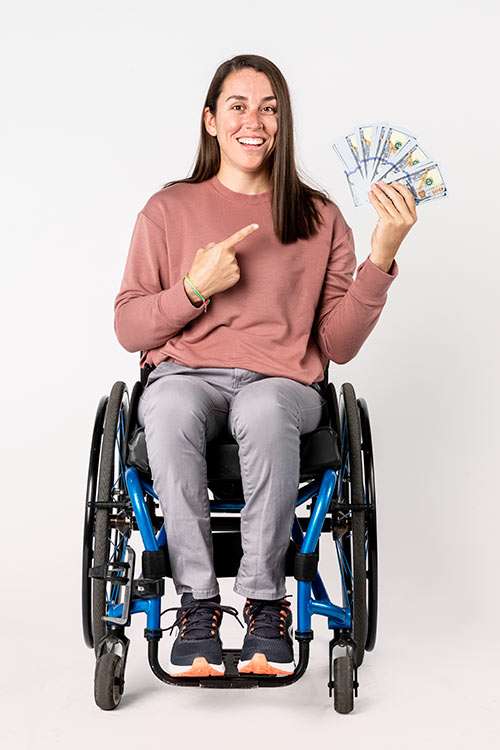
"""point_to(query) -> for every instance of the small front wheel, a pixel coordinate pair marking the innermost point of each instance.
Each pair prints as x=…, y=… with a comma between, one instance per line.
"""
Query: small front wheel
x=343, y=698
x=108, y=681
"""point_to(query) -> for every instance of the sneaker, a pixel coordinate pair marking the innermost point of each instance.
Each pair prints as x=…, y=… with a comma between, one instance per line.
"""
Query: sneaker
x=197, y=650
x=268, y=646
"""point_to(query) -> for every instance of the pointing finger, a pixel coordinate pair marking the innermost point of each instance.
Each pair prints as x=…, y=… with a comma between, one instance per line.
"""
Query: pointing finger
x=239, y=235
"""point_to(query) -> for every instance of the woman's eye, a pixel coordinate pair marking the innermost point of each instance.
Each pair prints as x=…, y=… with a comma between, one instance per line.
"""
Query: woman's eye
x=273, y=109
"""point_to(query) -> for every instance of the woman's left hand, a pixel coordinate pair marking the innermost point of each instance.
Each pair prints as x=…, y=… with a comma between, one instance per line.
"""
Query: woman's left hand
x=396, y=208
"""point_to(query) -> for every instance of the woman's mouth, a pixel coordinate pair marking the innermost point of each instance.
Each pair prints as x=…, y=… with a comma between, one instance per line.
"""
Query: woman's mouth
x=251, y=144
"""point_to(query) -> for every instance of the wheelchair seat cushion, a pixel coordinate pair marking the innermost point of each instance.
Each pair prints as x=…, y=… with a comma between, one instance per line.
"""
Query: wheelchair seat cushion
x=318, y=451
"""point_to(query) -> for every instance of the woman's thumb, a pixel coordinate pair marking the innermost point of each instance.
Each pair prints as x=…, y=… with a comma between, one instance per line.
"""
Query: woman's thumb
x=210, y=244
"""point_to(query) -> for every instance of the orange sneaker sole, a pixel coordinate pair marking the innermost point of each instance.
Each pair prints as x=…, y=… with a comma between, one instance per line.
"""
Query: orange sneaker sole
x=199, y=668
x=259, y=664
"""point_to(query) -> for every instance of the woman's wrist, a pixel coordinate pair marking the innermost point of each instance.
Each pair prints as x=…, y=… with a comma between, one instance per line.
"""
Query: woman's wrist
x=382, y=263
x=193, y=297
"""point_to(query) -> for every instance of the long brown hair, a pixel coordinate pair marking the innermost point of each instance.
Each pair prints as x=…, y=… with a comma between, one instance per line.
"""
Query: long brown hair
x=295, y=216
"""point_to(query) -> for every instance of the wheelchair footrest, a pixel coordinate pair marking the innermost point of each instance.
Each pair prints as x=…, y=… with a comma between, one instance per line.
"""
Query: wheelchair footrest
x=232, y=678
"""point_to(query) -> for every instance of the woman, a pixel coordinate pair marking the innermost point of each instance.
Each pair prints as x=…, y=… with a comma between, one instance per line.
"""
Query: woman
x=239, y=289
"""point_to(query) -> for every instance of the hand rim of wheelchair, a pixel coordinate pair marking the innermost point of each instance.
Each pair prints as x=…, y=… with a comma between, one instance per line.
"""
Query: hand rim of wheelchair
x=109, y=412
x=107, y=456
x=357, y=545
x=371, y=524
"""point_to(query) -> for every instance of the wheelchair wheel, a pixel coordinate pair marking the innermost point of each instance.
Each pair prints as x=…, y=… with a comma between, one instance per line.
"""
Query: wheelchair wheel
x=88, y=522
x=108, y=681
x=110, y=525
x=343, y=695
x=351, y=545
x=371, y=524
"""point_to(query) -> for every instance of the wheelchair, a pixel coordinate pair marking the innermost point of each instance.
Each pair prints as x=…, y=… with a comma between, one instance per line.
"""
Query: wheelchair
x=336, y=467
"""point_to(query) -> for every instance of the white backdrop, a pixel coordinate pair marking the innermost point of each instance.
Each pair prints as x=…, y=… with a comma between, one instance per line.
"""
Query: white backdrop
x=102, y=105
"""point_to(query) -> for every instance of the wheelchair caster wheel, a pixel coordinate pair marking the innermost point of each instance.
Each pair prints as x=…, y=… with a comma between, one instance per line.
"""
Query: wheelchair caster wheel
x=343, y=698
x=108, y=681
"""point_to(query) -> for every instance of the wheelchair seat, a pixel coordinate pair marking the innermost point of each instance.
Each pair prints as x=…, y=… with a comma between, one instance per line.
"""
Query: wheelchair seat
x=319, y=450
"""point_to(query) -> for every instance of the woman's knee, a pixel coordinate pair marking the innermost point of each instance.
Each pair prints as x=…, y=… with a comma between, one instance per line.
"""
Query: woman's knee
x=267, y=411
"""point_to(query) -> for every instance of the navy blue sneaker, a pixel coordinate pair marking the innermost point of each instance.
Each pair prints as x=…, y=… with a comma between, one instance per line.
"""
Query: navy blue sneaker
x=268, y=646
x=197, y=650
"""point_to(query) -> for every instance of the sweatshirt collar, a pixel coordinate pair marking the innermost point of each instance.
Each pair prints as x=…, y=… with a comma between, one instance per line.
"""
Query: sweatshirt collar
x=232, y=195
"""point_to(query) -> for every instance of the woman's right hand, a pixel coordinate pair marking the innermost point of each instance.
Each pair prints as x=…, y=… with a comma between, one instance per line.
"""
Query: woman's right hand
x=215, y=267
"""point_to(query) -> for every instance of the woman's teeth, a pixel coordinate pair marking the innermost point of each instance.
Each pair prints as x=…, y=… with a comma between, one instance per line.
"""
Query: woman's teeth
x=251, y=143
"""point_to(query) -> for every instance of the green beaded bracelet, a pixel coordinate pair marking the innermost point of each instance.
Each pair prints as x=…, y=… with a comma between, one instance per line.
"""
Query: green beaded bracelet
x=206, y=302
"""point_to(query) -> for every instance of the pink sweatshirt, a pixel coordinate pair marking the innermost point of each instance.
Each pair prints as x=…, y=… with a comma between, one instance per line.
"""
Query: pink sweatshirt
x=294, y=307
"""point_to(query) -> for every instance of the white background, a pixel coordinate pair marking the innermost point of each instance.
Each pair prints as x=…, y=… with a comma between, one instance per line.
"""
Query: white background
x=101, y=106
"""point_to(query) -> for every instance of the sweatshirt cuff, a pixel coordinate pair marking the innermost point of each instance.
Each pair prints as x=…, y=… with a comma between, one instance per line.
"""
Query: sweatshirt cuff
x=372, y=283
x=176, y=306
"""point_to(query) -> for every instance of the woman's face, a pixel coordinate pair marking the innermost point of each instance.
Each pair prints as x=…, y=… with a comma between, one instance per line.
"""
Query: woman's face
x=246, y=108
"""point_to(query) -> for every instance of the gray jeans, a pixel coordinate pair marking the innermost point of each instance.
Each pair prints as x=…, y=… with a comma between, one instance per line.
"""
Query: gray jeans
x=181, y=409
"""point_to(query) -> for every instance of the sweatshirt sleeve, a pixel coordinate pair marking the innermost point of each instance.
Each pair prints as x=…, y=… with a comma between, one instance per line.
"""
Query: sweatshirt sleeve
x=349, y=309
x=146, y=315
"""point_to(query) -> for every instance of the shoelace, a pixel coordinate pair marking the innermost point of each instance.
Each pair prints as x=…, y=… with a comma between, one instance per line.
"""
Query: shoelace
x=200, y=616
x=266, y=617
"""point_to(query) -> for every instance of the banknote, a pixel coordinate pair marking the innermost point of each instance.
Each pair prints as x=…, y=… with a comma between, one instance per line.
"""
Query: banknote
x=388, y=153
x=425, y=181
x=394, y=143
x=367, y=138
x=410, y=158
x=348, y=150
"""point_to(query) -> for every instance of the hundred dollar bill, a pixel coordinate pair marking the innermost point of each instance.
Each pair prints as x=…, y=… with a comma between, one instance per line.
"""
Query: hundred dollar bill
x=380, y=138
x=426, y=182
x=369, y=139
x=411, y=156
x=393, y=140
x=348, y=150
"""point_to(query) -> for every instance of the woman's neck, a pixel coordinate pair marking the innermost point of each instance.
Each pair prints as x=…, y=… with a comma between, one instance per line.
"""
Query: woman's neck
x=242, y=182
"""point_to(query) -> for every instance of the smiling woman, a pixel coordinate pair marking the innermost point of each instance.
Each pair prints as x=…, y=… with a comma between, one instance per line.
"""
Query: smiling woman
x=276, y=259
x=247, y=140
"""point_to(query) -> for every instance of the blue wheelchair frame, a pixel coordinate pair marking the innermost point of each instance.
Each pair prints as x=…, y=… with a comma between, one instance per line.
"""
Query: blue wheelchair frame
x=312, y=595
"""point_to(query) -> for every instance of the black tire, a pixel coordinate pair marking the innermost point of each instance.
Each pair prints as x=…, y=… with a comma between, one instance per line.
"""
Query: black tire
x=343, y=688
x=371, y=525
x=88, y=521
x=353, y=543
x=333, y=410
x=111, y=488
x=108, y=681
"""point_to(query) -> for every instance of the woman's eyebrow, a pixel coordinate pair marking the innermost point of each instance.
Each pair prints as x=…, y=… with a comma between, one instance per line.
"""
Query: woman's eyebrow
x=244, y=98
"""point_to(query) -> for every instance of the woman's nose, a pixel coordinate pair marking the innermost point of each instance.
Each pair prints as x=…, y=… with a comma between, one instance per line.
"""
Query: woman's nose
x=253, y=119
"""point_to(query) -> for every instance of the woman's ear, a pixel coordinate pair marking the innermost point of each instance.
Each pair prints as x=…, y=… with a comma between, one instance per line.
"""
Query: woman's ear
x=209, y=120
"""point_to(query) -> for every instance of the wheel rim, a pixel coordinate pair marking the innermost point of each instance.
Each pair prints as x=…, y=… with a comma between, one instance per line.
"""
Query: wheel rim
x=112, y=524
x=371, y=526
x=88, y=521
x=351, y=546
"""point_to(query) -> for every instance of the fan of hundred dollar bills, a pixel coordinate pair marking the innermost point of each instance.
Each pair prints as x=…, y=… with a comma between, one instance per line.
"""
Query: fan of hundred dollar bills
x=382, y=152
